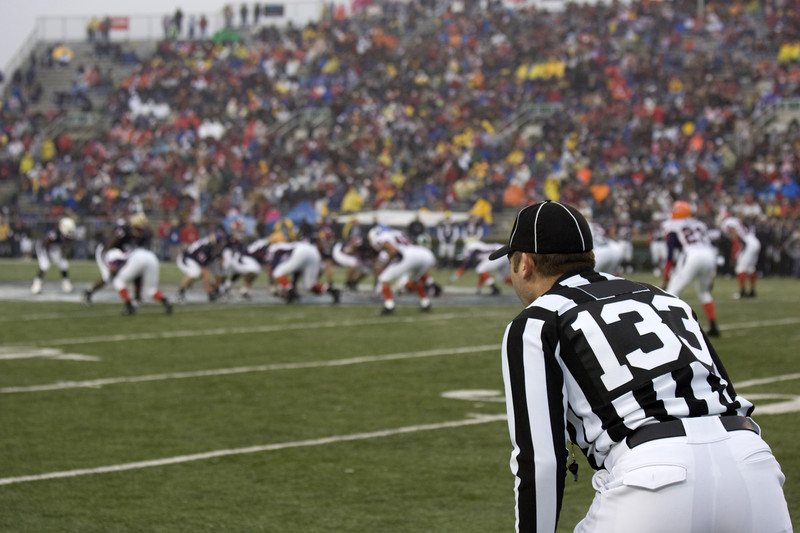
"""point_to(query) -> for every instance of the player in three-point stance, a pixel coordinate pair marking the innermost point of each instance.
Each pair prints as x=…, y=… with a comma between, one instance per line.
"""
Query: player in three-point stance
x=129, y=266
x=401, y=258
x=299, y=259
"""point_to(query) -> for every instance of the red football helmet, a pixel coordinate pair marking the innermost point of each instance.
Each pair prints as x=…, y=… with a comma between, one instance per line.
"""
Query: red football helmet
x=681, y=209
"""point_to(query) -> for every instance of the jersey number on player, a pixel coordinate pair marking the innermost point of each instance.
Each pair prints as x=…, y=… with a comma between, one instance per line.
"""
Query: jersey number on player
x=616, y=374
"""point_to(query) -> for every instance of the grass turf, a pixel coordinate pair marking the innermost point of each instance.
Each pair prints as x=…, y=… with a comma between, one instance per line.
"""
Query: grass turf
x=448, y=479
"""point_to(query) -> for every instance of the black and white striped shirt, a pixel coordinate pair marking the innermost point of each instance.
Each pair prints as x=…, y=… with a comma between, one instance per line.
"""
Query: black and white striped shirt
x=590, y=361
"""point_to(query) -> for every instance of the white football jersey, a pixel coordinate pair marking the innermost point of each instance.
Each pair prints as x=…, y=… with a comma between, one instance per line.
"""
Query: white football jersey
x=742, y=231
x=690, y=232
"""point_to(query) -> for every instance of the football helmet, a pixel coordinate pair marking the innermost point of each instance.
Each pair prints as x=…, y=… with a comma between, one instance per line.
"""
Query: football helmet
x=139, y=220
x=66, y=226
x=681, y=209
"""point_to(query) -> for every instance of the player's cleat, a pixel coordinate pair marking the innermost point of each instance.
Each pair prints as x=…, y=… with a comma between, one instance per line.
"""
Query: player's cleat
x=387, y=311
x=291, y=296
x=87, y=296
x=66, y=285
x=213, y=296
x=751, y=294
x=129, y=309
x=181, y=297
x=494, y=290
x=36, y=288
x=435, y=289
x=245, y=294
x=336, y=294
x=167, y=306
x=425, y=305
x=713, y=330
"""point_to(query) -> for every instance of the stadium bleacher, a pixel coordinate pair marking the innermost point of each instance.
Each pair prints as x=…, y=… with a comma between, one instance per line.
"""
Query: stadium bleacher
x=617, y=108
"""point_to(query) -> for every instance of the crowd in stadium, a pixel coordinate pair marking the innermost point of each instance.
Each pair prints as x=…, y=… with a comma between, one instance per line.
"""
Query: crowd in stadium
x=634, y=105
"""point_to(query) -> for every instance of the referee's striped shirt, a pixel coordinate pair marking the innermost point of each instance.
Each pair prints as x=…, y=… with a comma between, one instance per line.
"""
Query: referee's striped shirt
x=590, y=361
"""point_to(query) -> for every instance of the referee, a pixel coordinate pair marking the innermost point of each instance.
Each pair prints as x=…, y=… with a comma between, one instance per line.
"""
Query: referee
x=623, y=370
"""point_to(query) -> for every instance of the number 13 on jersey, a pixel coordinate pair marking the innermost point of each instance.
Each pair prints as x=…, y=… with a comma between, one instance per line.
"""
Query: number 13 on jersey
x=615, y=373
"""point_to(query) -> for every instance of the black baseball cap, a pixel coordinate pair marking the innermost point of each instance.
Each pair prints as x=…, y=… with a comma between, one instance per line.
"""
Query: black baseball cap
x=548, y=228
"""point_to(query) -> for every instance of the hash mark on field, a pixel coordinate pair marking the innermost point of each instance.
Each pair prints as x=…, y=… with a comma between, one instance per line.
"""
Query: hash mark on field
x=483, y=419
x=94, y=383
x=246, y=330
x=30, y=352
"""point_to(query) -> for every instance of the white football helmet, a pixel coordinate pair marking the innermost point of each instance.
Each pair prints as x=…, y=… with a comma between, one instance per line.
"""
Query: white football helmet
x=67, y=227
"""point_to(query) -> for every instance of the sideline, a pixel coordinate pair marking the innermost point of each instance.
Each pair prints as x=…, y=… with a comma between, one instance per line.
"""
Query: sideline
x=476, y=420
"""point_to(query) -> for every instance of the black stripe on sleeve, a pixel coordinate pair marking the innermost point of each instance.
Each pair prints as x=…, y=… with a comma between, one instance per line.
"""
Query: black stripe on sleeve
x=555, y=398
x=526, y=503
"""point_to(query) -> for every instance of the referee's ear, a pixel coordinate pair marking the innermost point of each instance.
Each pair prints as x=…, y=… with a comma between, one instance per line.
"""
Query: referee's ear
x=527, y=263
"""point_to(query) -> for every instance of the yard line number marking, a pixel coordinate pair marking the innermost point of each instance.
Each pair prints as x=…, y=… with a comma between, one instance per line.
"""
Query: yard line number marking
x=138, y=465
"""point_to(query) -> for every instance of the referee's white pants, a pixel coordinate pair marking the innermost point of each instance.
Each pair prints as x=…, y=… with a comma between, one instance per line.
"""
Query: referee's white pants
x=710, y=481
x=142, y=263
x=747, y=258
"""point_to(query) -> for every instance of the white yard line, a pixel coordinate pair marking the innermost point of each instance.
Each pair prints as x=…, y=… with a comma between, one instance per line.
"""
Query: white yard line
x=184, y=309
x=94, y=383
x=760, y=323
x=766, y=381
x=138, y=465
x=210, y=332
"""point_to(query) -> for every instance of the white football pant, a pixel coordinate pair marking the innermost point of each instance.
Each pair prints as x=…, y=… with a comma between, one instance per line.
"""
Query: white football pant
x=305, y=258
x=747, y=258
x=416, y=261
x=698, y=263
x=142, y=263
x=45, y=255
x=710, y=481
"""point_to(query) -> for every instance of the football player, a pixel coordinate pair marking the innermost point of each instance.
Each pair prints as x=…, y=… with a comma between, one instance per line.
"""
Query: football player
x=249, y=261
x=357, y=256
x=196, y=260
x=608, y=253
x=136, y=233
x=401, y=258
x=51, y=250
x=693, y=257
x=129, y=266
x=476, y=253
x=746, y=248
x=300, y=259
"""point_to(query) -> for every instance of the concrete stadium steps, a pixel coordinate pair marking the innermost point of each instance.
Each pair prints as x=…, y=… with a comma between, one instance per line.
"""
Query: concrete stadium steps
x=58, y=78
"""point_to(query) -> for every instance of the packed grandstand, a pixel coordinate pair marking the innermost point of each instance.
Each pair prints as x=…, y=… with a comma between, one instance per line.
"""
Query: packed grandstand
x=619, y=108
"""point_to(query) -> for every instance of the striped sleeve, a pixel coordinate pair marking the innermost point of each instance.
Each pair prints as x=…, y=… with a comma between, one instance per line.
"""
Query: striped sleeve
x=535, y=401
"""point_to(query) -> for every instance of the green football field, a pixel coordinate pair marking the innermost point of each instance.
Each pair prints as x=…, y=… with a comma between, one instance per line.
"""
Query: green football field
x=302, y=418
